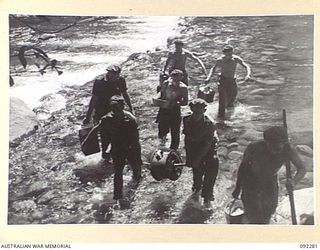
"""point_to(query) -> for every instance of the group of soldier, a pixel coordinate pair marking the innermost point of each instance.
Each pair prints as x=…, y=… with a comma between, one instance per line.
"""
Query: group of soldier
x=257, y=175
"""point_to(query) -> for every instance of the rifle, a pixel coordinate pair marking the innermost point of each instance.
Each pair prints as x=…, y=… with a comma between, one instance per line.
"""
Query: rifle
x=288, y=174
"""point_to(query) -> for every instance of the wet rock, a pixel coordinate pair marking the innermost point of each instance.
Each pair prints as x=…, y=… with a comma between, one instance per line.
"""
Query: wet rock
x=232, y=145
x=22, y=119
x=69, y=219
x=235, y=155
x=252, y=135
x=37, y=215
x=222, y=152
x=302, y=138
x=224, y=166
x=262, y=92
x=276, y=46
x=271, y=82
x=15, y=219
x=269, y=53
x=243, y=142
x=37, y=188
x=24, y=206
x=308, y=162
x=52, y=102
x=304, y=204
x=254, y=98
x=306, y=182
x=48, y=196
x=70, y=140
x=70, y=158
x=233, y=169
x=97, y=198
x=304, y=149
x=31, y=171
x=93, y=173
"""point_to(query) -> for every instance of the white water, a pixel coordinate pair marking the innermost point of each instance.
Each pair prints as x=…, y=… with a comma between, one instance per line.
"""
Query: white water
x=88, y=56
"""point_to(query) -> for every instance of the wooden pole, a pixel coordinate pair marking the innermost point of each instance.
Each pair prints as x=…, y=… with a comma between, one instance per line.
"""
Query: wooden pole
x=288, y=174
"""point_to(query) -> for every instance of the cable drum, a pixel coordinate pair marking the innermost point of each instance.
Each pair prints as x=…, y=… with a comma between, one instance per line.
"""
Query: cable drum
x=166, y=163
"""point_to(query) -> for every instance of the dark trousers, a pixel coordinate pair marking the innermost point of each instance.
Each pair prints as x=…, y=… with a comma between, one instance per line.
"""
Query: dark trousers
x=169, y=120
x=227, y=93
x=185, y=78
x=119, y=156
x=259, y=207
x=204, y=176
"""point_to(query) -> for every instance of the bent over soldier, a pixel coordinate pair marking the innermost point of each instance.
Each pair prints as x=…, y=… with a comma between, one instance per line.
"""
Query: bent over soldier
x=258, y=174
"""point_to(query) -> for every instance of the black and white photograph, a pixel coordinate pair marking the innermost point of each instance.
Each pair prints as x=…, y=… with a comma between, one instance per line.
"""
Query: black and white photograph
x=138, y=119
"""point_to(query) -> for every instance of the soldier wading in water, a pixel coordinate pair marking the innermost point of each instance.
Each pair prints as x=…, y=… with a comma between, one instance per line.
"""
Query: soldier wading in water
x=227, y=80
x=177, y=60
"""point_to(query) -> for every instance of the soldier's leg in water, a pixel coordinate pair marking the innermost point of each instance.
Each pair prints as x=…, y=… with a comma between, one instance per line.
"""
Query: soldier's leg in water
x=222, y=101
x=232, y=93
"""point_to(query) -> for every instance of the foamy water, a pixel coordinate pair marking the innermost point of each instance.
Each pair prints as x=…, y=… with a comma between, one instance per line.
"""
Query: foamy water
x=89, y=56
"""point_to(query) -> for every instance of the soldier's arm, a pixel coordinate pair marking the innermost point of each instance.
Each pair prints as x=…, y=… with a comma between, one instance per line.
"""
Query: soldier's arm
x=246, y=66
x=296, y=160
x=185, y=99
x=92, y=104
x=167, y=62
x=128, y=101
x=194, y=57
x=92, y=132
x=212, y=71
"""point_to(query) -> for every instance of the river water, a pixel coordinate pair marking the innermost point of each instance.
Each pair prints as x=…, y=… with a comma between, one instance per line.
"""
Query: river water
x=85, y=51
x=279, y=50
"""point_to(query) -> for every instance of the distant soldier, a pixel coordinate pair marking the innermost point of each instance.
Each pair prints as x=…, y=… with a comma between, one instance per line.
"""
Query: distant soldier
x=175, y=92
x=103, y=88
x=227, y=80
x=258, y=174
x=177, y=60
x=201, y=155
x=121, y=129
